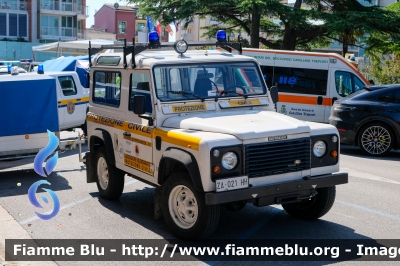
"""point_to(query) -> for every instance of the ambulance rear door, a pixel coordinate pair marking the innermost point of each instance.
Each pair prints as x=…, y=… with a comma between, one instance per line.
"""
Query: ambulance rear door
x=302, y=84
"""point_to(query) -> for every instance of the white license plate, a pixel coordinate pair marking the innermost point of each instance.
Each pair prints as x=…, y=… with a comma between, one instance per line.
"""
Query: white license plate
x=231, y=183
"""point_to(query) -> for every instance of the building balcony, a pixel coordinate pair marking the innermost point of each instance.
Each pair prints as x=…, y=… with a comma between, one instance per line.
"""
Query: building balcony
x=13, y=5
x=81, y=34
x=58, y=33
x=57, y=6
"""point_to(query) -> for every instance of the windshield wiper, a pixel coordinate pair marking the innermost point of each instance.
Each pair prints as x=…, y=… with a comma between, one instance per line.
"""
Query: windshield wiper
x=228, y=92
x=185, y=93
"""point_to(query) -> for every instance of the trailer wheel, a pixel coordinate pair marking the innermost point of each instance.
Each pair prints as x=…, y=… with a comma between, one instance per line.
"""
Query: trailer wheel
x=314, y=208
x=184, y=208
x=110, y=180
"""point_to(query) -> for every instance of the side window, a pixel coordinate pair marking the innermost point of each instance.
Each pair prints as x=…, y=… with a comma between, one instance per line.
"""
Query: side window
x=107, y=88
x=344, y=84
x=300, y=80
x=67, y=84
x=140, y=85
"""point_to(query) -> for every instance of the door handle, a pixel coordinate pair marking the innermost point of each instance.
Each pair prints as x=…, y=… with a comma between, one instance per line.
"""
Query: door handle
x=320, y=100
x=333, y=100
x=78, y=100
x=127, y=134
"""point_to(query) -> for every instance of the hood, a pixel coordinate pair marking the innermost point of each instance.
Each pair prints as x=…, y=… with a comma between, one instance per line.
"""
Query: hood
x=243, y=125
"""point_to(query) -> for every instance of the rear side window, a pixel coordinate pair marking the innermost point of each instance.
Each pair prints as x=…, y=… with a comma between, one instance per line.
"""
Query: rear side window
x=67, y=85
x=107, y=88
x=297, y=80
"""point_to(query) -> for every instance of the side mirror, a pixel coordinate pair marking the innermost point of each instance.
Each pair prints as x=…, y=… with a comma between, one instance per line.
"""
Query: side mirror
x=274, y=94
x=139, y=104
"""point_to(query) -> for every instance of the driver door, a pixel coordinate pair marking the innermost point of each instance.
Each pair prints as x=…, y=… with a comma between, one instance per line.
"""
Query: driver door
x=137, y=136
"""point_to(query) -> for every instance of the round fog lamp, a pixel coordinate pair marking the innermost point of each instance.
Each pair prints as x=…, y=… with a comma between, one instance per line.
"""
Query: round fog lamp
x=319, y=148
x=229, y=160
x=216, y=153
x=181, y=46
x=334, y=139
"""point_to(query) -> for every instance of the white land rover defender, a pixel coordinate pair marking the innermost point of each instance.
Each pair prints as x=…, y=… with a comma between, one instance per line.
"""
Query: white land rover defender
x=201, y=127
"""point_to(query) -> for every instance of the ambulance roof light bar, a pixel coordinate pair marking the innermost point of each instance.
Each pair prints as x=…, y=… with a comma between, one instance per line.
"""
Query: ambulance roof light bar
x=154, y=43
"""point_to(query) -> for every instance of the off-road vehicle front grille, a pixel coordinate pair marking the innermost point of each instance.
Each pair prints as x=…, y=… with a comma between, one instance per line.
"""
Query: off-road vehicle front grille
x=279, y=157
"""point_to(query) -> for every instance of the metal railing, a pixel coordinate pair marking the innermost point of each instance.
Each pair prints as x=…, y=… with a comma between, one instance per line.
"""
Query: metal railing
x=13, y=5
x=65, y=7
x=58, y=32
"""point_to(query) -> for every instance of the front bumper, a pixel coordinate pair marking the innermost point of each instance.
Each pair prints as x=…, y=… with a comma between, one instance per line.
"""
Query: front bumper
x=277, y=193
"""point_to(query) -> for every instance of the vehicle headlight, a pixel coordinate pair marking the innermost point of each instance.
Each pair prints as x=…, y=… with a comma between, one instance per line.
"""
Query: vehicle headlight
x=229, y=160
x=319, y=148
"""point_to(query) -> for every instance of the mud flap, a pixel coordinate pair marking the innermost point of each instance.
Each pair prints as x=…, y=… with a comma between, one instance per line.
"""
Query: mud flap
x=157, y=203
x=90, y=168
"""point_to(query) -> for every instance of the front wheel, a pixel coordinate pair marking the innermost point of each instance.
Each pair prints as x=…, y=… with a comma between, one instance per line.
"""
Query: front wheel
x=185, y=211
x=110, y=179
x=375, y=139
x=314, y=208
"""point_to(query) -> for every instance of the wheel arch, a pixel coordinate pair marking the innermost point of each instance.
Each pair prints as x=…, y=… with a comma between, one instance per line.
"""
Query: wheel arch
x=174, y=160
x=103, y=138
x=378, y=120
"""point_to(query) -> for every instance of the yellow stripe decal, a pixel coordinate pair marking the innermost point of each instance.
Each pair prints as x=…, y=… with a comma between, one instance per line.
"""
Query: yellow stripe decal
x=244, y=102
x=63, y=102
x=120, y=124
x=137, y=163
x=189, y=108
x=178, y=139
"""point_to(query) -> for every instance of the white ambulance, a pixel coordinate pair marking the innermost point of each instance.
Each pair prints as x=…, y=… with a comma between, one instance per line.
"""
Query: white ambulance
x=201, y=127
x=308, y=82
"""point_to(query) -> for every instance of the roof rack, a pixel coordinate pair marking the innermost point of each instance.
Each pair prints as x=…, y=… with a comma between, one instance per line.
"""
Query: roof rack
x=135, y=49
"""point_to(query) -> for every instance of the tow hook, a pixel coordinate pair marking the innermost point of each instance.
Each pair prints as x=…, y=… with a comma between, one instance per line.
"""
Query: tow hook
x=313, y=194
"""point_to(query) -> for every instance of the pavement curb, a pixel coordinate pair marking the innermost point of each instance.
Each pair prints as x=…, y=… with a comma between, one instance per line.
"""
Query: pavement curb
x=11, y=229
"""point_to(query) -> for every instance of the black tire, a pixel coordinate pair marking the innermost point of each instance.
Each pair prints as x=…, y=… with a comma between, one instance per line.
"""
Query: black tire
x=375, y=139
x=315, y=208
x=207, y=217
x=114, y=186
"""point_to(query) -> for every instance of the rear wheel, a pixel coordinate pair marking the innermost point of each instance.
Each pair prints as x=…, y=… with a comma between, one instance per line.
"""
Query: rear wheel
x=110, y=180
x=375, y=139
x=314, y=208
x=184, y=208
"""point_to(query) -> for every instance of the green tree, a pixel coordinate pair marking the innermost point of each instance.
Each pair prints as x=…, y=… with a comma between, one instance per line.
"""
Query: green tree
x=306, y=24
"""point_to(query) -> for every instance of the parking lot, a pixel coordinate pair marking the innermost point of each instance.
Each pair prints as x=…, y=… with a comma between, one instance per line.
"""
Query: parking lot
x=365, y=208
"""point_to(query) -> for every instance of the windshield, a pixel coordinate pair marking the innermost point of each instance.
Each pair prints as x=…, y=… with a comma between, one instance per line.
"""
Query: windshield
x=201, y=81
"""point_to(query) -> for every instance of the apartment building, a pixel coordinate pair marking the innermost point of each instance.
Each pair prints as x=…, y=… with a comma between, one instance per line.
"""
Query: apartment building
x=43, y=20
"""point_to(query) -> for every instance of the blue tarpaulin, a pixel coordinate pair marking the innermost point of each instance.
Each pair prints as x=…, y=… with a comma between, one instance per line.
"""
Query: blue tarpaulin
x=28, y=106
x=69, y=64
x=63, y=63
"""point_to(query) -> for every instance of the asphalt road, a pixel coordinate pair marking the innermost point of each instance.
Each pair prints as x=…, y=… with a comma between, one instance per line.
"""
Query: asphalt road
x=366, y=208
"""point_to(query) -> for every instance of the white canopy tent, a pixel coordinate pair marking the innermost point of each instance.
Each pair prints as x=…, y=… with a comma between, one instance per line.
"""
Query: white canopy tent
x=73, y=47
